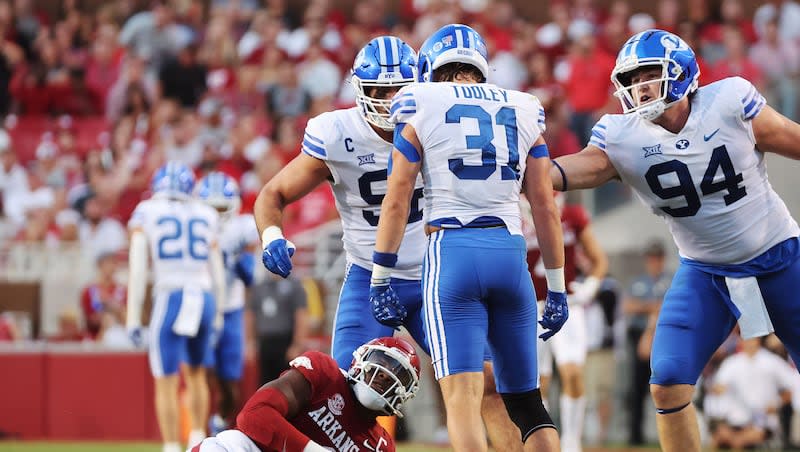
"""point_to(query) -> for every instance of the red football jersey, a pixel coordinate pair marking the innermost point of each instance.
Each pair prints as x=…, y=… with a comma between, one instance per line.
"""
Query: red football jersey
x=573, y=220
x=334, y=417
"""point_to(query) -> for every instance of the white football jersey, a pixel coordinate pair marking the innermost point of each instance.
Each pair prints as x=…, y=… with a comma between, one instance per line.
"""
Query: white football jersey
x=358, y=160
x=236, y=234
x=179, y=234
x=708, y=181
x=475, y=140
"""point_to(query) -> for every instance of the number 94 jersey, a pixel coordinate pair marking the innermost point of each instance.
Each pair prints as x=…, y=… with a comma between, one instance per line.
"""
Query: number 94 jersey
x=709, y=182
x=358, y=160
x=475, y=140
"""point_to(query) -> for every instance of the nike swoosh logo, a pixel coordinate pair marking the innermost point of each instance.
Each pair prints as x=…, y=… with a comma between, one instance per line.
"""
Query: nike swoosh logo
x=708, y=137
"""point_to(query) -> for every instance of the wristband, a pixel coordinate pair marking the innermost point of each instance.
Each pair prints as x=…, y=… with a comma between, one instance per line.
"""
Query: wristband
x=384, y=259
x=269, y=235
x=563, y=176
x=555, y=279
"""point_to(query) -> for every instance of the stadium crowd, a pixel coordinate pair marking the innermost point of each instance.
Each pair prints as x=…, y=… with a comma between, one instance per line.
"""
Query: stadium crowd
x=96, y=96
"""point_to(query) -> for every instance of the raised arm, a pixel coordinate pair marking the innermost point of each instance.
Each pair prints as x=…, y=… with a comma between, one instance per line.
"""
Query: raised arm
x=587, y=169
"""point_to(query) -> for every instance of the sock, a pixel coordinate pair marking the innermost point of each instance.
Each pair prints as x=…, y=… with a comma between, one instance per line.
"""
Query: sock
x=567, y=406
x=578, y=415
x=195, y=437
x=171, y=447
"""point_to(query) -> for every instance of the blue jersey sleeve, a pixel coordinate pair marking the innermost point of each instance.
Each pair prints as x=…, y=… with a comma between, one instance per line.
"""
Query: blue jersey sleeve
x=599, y=132
x=314, y=139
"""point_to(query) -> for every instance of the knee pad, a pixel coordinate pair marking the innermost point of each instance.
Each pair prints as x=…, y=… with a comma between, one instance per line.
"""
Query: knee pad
x=668, y=371
x=527, y=411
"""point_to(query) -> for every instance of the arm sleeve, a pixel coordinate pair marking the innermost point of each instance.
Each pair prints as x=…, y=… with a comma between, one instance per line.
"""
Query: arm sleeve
x=598, y=138
x=749, y=102
x=263, y=420
x=404, y=106
x=314, y=139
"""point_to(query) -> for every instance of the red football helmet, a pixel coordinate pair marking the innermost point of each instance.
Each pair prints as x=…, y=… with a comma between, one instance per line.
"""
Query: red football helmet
x=385, y=374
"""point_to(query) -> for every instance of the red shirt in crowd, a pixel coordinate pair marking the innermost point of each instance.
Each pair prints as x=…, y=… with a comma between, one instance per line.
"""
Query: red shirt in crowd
x=95, y=298
x=589, y=82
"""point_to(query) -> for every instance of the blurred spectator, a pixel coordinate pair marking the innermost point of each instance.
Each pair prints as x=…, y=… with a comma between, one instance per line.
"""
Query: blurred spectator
x=183, y=78
x=13, y=182
x=586, y=80
x=320, y=78
x=279, y=312
x=668, y=16
x=103, y=298
x=748, y=412
x=8, y=328
x=154, y=35
x=788, y=14
x=102, y=70
x=643, y=301
x=135, y=89
x=69, y=329
x=779, y=60
x=286, y=97
x=735, y=61
x=181, y=142
x=98, y=233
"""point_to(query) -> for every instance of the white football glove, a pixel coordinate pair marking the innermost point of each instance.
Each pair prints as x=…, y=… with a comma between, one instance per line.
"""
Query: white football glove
x=583, y=292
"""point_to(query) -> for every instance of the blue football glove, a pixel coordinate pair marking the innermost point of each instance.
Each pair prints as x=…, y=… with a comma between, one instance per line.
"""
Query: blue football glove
x=386, y=307
x=555, y=314
x=136, y=334
x=277, y=257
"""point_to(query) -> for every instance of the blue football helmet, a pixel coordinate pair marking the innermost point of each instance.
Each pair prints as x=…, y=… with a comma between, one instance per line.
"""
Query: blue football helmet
x=384, y=62
x=174, y=179
x=655, y=48
x=454, y=43
x=219, y=191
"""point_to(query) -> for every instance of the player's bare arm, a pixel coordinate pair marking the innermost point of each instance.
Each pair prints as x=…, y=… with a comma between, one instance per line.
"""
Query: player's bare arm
x=546, y=216
x=397, y=202
x=587, y=169
x=294, y=181
x=591, y=248
x=776, y=133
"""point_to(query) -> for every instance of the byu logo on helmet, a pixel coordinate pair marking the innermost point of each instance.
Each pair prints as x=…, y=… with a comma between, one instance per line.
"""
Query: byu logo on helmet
x=655, y=49
x=385, y=62
x=438, y=50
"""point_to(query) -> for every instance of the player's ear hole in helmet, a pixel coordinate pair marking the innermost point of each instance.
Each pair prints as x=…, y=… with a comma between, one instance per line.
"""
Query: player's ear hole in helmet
x=385, y=374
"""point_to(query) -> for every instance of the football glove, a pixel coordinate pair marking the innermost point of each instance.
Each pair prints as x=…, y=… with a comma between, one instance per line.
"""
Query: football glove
x=583, y=292
x=555, y=314
x=277, y=257
x=386, y=307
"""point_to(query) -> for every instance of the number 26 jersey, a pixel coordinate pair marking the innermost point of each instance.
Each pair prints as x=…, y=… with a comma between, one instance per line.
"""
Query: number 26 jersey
x=358, y=160
x=708, y=182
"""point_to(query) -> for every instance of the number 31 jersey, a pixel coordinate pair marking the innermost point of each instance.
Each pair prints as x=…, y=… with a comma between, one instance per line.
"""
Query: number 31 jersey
x=709, y=182
x=475, y=140
x=358, y=160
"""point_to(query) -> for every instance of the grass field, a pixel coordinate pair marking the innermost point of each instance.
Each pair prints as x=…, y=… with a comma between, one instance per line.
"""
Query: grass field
x=32, y=446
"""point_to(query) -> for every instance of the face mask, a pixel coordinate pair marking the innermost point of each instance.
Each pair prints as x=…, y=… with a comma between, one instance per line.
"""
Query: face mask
x=369, y=397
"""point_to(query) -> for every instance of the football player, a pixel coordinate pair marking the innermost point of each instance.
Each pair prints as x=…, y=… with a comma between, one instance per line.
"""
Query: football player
x=695, y=157
x=474, y=143
x=351, y=149
x=316, y=407
x=179, y=233
x=237, y=235
x=570, y=346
